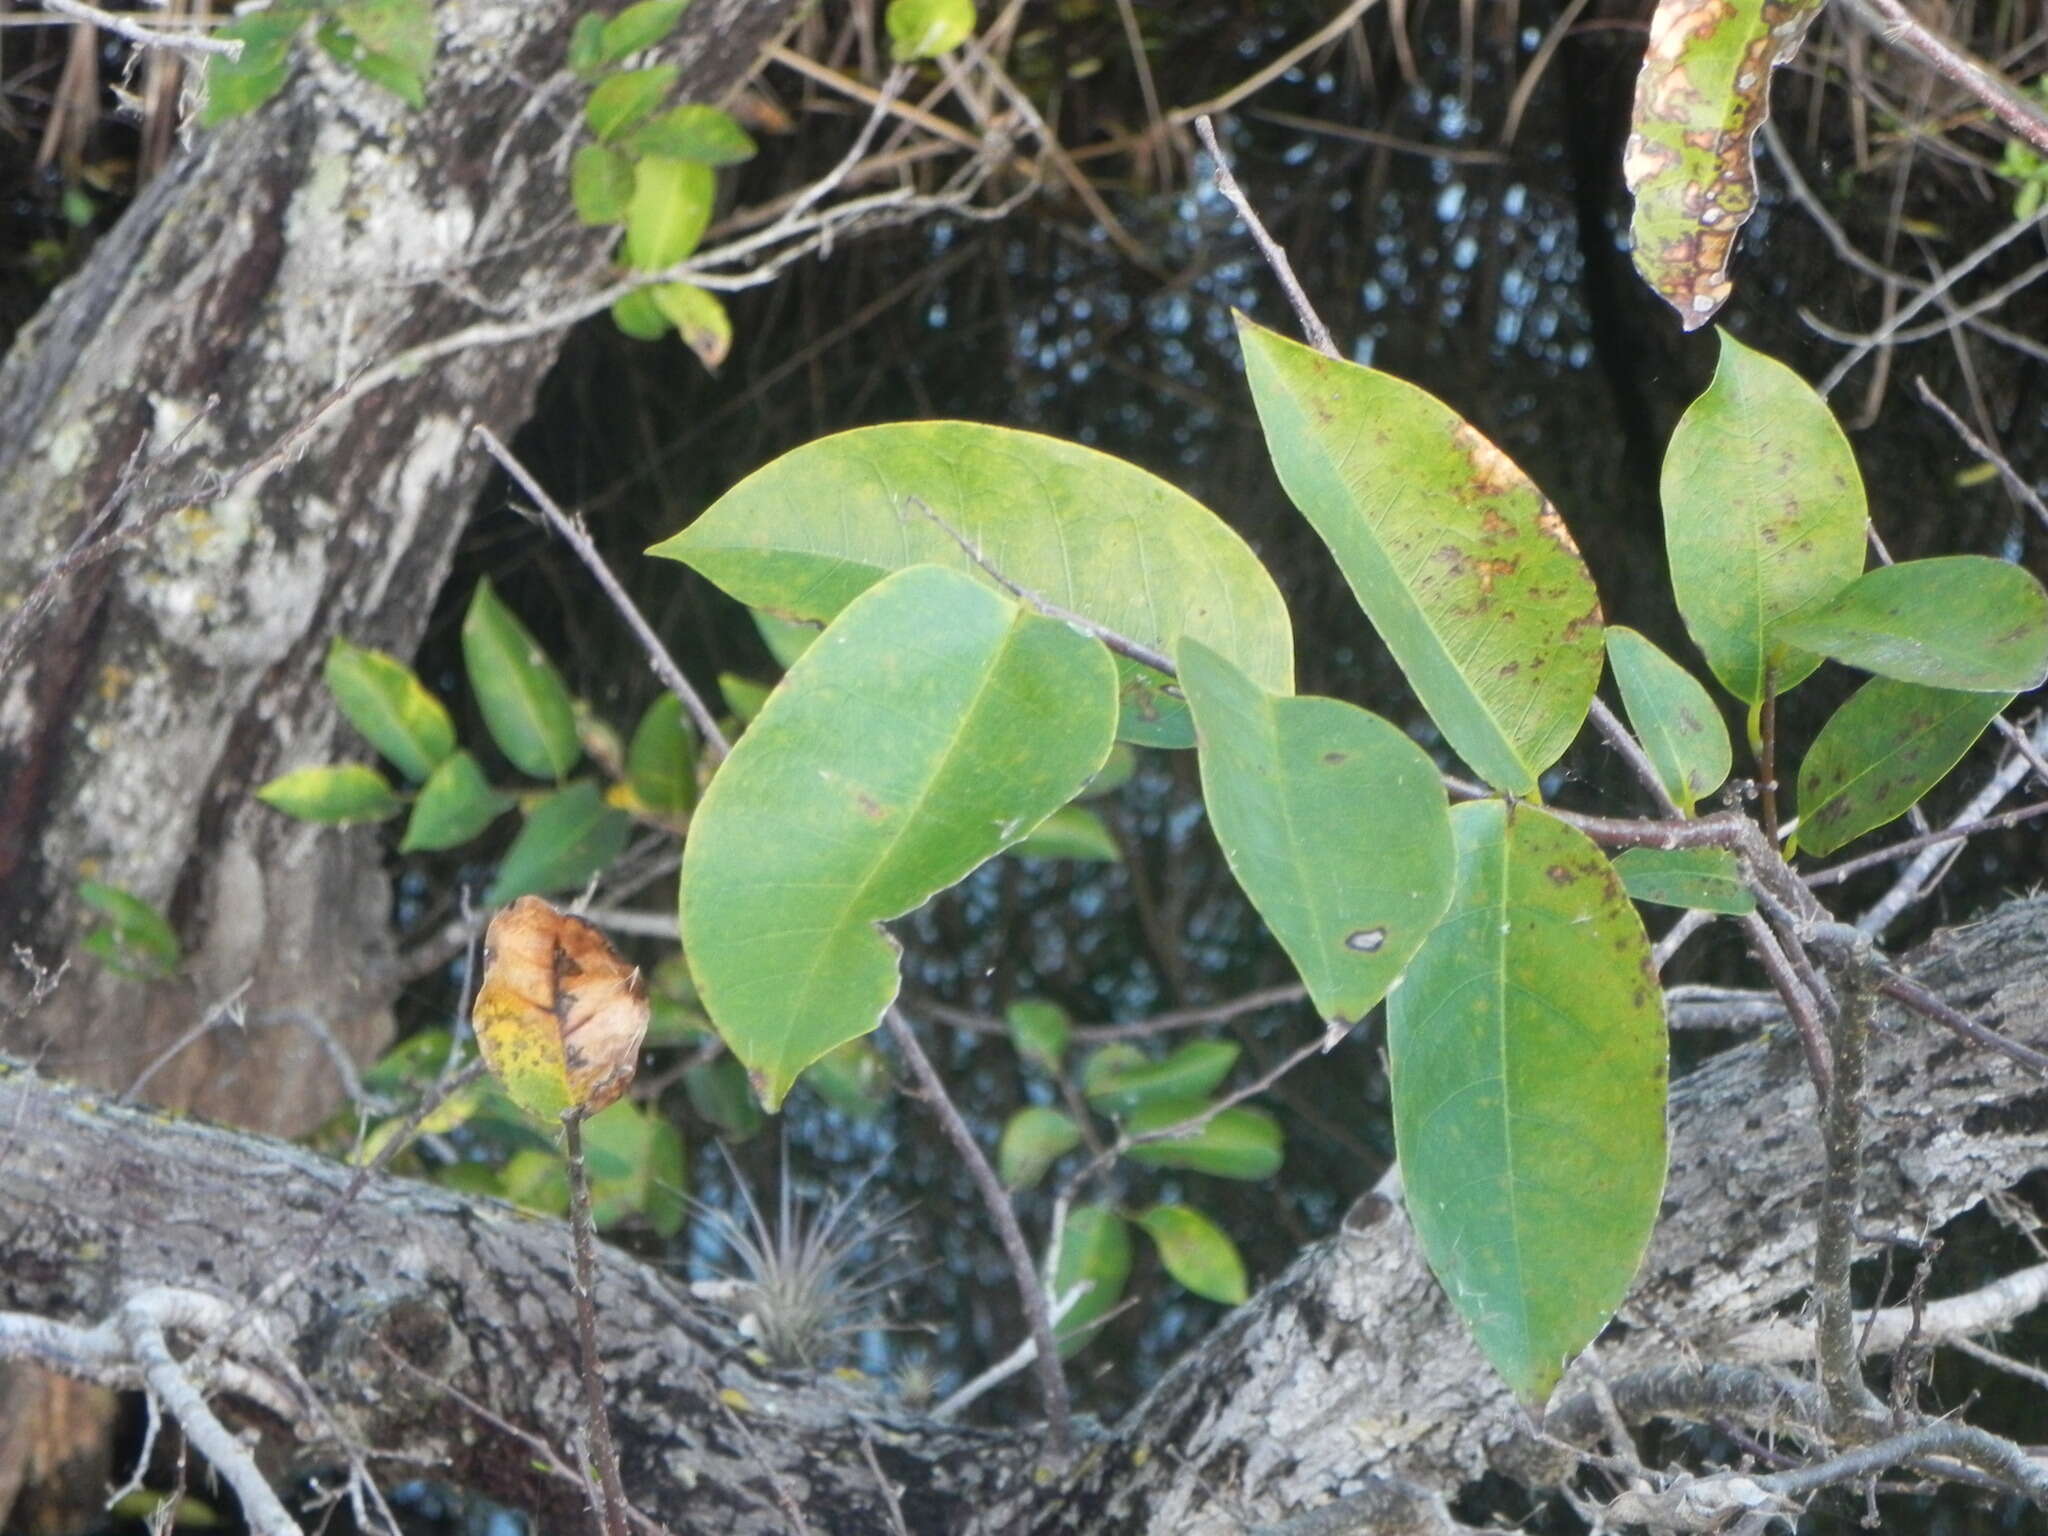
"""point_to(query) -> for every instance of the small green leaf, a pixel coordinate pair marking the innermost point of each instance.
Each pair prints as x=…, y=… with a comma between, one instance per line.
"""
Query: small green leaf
x=600, y=184
x=637, y=27
x=396, y=42
x=586, y=45
x=521, y=695
x=1527, y=1053
x=569, y=837
x=1071, y=832
x=1673, y=717
x=1884, y=749
x=1763, y=518
x=335, y=795
x=1039, y=1030
x=1120, y=1078
x=1334, y=823
x=1197, y=1253
x=454, y=805
x=719, y=1091
x=384, y=700
x=627, y=98
x=1095, y=1248
x=853, y=1078
x=694, y=132
x=819, y=826
x=785, y=638
x=661, y=762
x=699, y=318
x=241, y=85
x=1464, y=568
x=1034, y=1139
x=135, y=928
x=1962, y=621
x=667, y=216
x=638, y=316
x=924, y=29
x=1706, y=879
x=1236, y=1143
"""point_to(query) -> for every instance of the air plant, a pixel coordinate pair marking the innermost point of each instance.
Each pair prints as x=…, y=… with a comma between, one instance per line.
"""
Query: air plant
x=814, y=1279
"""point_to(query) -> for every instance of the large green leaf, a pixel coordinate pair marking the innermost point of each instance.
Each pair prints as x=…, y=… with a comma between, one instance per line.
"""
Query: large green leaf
x=1706, y=879
x=524, y=703
x=390, y=706
x=1763, y=517
x=808, y=533
x=934, y=724
x=1703, y=93
x=1462, y=566
x=1881, y=751
x=1673, y=717
x=1095, y=1246
x=569, y=837
x=1528, y=1059
x=1962, y=621
x=1333, y=822
x=1197, y=1253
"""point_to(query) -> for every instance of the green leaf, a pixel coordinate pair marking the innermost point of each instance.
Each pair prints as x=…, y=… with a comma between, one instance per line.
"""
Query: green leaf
x=391, y=707
x=821, y=825
x=853, y=1078
x=1095, y=1247
x=924, y=29
x=586, y=45
x=743, y=696
x=335, y=795
x=454, y=805
x=1237, y=1143
x=1115, y=774
x=1090, y=533
x=521, y=695
x=625, y=99
x=1708, y=879
x=398, y=39
x=1464, y=569
x=638, y=316
x=637, y=27
x=1672, y=716
x=379, y=69
x=1033, y=1140
x=1120, y=1078
x=1071, y=832
x=670, y=208
x=238, y=86
x=699, y=318
x=1763, y=517
x=600, y=184
x=661, y=762
x=1884, y=749
x=719, y=1092
x=694, y=132
x=636, y=1167
x=1961, y=621
x=1528, y=1059
x=570, y=836
x=785, y=638
x=1197, y=1253
x=136, y=930
x=1334, y=823
x=1039, y=1030
x=1703, y=93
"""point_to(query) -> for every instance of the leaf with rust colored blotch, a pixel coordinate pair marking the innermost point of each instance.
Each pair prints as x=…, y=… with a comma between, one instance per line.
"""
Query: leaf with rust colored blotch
x=1703, y=93
x=559, y=1015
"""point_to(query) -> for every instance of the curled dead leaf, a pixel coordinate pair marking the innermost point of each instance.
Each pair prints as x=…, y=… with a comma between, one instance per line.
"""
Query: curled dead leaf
x=559, y=1016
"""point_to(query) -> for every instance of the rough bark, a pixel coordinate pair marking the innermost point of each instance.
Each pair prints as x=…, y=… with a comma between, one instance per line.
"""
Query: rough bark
x=1345, y=1377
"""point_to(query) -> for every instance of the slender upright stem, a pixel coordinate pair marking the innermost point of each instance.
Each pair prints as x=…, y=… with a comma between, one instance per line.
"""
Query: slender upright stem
x=1768, y=763
x=611, y=1518
x=1849, y=1397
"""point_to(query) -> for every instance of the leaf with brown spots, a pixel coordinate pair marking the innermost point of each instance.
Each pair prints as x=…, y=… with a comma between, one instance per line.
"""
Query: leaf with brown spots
x=1880, y=752
x=1703, y=93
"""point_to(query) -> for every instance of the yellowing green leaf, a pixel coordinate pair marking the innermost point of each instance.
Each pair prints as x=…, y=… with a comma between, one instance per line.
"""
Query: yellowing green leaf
x=336, y=795
x=1880, y=752
x=699, y=318
x=924, y=29
x=1197, y=1253
x=391, y=707
x=521, y=695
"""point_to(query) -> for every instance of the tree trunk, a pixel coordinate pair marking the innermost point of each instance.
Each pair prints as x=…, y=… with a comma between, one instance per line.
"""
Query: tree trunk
x=256, y=275
x=1346, y=1377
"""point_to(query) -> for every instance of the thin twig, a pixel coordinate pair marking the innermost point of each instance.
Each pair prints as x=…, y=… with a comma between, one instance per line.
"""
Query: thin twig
x=2011, y=477
x=1955, y=832
x=1900, y=29
x=1974, y=1447
x=197, y=45
x=611, y=1516
x=1311, y=323
x=1901, y=989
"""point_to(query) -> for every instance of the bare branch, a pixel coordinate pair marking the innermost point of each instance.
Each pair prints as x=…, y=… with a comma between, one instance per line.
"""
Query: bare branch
x=1311, y=323
x=197, y=44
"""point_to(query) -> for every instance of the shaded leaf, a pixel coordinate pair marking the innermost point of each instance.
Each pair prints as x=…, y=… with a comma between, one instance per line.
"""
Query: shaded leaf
x=1090, y=533
x=1197, y=1253
x=1071, y=832
x=924, y=29
x=636, y=1166
x=719, y=1091
x=454, y=805
x=853, y=1078
x=694, y=132
x=1236, y=1143
x=1960, y=621
x=1120, y=1078
x=524, y=704
x=569, y=837
x=1095, y=1247
x=670, y=207
x=661, y=762
x=625, y=99
x=1880, y=752
x=1703, y=93
x=1463, y=567
x=1033, y=1140
x=743, y=696
x=397, y=41
x=1672, y=716
x=1528, y=1061
x=1115, y=774
x=600, y=184
x=1708, y=879
x=819, y=826
x=335, y=795
x=391, y=707
x=785, y=638
x=1039, y=1030
x=135, y=930
x=638, y=316
x=586, y=44
x=1763, y=517
x=1333, y=822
